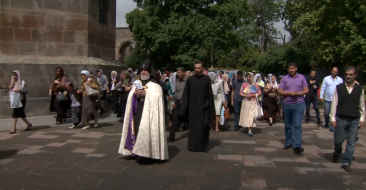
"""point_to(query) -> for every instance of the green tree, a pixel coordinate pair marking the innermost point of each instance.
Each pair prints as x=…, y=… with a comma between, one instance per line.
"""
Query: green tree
x=266, y=12
x=174, y=33
x=339, y=29
x=277, y=58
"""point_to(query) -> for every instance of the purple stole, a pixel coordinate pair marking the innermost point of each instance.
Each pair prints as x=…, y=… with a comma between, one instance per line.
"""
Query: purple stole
x=130, y=139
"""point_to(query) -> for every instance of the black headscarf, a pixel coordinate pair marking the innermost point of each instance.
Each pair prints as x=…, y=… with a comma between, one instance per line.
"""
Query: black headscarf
x=148, y=65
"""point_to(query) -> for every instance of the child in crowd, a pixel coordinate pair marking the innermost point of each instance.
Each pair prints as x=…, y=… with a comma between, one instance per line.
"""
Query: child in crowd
x=76, y=100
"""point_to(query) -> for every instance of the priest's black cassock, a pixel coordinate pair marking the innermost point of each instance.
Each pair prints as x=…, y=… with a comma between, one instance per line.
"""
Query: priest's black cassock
x=146, y=64
x=198, y=104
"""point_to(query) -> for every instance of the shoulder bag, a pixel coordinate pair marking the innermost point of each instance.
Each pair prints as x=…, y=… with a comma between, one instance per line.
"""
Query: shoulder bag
x=259, y=107
x=90, y=91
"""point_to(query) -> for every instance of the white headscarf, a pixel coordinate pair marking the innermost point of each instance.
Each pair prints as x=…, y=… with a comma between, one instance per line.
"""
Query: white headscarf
x=172, y=81
x=115, y=76
x=18, y=82
x=275, y=84
x=256, y=76
x=85, y=72
x=214, y=80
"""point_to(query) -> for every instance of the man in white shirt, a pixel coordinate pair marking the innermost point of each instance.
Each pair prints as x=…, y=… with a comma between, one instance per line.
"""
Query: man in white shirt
x=327, y=92
x=347, y=116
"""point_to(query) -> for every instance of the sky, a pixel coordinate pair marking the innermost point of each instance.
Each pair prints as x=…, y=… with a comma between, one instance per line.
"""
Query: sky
x=125, y=6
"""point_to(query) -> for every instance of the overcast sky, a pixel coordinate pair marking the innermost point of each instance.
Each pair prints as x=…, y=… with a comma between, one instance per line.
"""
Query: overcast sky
x=125, y=6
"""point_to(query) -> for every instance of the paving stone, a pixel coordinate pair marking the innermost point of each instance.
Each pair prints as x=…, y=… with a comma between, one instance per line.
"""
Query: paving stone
x=84, y=150
x=41, y=136
x=247, y=182
x=5, y=161
x=56, y=144
x=254, y=158
x=95, y=155
x=73, y=141
x=230, y=157
x=28, y=151
x=265, y=164
x=249, y=163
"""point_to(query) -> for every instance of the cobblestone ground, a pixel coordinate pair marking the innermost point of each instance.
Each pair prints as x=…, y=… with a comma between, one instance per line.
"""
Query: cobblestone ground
x=74, y=159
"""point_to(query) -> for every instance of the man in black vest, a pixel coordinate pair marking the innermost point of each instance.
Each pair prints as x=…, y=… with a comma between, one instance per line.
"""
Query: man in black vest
x=347, y=115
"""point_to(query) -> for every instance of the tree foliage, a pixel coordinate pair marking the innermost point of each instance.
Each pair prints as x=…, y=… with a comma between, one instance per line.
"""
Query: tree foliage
x=276, y=59
x=176, y=33
x=339, y=27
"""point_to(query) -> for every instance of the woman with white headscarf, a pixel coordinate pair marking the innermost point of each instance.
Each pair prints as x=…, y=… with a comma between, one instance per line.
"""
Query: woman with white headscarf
x=111, y=89
x=90, y=101
x=219, y=97
x=227, y=90
x=271, y=100
x=18, y=100
x=250, y=91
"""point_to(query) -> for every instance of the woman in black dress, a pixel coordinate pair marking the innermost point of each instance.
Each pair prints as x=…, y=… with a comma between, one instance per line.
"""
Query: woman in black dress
x=59, y=101
x=18, y=89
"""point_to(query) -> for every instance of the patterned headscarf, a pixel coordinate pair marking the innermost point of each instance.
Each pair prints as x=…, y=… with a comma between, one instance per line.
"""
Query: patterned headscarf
x=252, y=77
x=172, y=81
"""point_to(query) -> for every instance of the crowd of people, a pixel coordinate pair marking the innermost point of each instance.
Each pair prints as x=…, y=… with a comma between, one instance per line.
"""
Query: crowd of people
x=201, y=101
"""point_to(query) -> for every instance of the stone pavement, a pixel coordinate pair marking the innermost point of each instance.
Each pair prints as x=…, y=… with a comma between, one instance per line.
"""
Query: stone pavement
x=55, y=158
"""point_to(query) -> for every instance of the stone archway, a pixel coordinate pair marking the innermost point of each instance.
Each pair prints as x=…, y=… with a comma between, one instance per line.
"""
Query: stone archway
x=124, y=50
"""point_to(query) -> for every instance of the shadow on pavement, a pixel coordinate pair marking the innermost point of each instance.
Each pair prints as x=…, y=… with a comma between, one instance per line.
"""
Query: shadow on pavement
x=254, y=131
x=213, y=143
x=102, y=125
x=40, y=127
x=7, y=153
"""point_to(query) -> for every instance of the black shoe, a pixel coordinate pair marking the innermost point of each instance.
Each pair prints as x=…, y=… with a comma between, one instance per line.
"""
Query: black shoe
x=236, y=129
x=347, y=168
x=170, y=140
x=335, y=158
x=298, y=150
x=286, y=147
x=270, y=124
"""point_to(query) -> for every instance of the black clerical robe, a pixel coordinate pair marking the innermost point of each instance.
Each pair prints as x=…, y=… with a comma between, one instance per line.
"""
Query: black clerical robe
x=198, y=104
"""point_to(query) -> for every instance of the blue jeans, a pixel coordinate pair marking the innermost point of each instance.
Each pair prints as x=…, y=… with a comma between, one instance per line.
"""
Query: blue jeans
x=292, y=115
x=315, y=101
x=346, y=130
x=237, y=108
x=327, y=105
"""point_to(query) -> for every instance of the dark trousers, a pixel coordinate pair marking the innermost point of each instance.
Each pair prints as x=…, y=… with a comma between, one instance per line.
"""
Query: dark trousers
x=176, y=120
x=237, y=108
x=346, y=129
x=315, y=102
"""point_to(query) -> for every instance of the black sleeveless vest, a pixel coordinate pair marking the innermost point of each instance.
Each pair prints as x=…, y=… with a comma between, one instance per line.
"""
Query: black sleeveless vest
x=348, y=104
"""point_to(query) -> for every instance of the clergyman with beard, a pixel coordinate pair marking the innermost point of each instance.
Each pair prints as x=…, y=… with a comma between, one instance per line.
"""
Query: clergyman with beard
x=143, y=132
x=198, y=104
x=347, y=114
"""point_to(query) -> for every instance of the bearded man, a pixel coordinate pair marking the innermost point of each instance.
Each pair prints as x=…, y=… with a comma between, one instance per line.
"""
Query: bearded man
x=198, y=104
x=143, y=132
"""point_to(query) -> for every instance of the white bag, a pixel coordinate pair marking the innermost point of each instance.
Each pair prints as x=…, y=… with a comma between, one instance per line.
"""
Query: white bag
x=259, y=108
x=91, y=92
x=15, y=100
x=170, y=106
x=222, y=116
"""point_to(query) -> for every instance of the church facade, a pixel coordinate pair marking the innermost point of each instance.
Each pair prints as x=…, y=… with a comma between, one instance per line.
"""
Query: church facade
x=36, y=36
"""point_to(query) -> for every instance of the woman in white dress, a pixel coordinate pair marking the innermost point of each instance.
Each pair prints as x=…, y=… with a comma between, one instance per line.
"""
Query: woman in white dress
x=250, y=91
x=219, y=97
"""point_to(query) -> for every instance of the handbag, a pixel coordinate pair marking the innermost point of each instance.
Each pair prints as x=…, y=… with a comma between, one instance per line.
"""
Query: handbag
x=15, y=100
x=259, y=108
x=90, y=91
x=222, y=116
x=170, y=106
x=120, y=89
x=227, y=114
x=60, y=97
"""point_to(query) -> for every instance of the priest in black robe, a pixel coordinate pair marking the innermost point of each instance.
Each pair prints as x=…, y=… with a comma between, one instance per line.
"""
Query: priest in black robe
x=199, y=107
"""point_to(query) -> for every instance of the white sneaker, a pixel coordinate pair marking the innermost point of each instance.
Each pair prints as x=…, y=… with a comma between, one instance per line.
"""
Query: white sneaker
x=73, y=127
x=86, y=127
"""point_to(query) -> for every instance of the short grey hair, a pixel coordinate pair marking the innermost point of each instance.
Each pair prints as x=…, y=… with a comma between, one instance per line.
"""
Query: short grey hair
x=349, y=68
x=181, y=69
